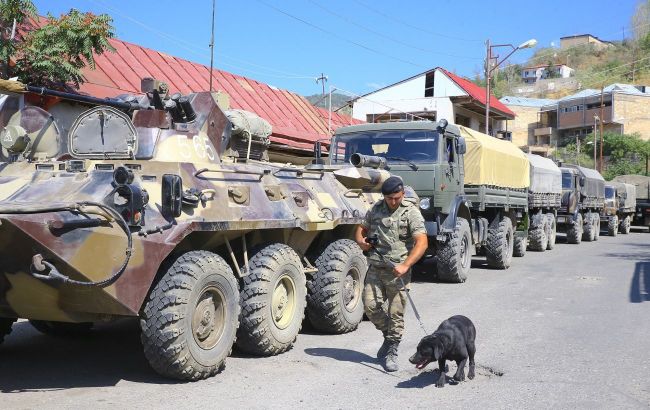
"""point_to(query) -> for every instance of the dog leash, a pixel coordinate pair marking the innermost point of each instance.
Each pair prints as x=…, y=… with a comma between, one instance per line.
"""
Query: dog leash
x=408, y=294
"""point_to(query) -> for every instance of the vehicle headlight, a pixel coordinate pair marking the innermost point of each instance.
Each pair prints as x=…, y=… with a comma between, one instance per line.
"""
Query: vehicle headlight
x=425, y=203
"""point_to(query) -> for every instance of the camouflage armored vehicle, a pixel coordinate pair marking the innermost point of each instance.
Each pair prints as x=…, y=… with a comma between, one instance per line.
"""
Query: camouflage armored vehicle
x=620, y=204
x=544, y=195
x=642, y=184
x=583, y=198
x=472, y=187
x=153, y=206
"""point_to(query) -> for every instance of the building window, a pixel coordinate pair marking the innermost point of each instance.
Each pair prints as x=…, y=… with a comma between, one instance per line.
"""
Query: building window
x=428, y=84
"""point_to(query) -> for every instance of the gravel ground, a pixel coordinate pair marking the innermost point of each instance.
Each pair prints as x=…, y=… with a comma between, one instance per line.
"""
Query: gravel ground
x=567, y=328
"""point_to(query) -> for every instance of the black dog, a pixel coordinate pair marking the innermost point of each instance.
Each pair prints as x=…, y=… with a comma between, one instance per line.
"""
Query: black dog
x=454, y=340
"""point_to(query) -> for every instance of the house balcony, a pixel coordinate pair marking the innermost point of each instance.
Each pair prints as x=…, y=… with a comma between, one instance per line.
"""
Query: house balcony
x=543, y=131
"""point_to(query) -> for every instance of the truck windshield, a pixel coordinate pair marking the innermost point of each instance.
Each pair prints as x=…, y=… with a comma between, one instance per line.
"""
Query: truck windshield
x=394, y=145
x=609, y=193
x=567, y=180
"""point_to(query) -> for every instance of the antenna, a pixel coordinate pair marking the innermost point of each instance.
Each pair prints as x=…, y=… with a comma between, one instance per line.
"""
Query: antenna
x=212, y=46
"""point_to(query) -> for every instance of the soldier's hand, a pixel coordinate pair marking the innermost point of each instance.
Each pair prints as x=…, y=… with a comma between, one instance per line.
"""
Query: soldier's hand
x=365, y=246
x=400, y=270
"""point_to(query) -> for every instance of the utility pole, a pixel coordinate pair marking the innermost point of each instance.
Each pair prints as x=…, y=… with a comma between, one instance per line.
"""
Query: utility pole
x=488, y=63
x=600, y=162
x=323, y=80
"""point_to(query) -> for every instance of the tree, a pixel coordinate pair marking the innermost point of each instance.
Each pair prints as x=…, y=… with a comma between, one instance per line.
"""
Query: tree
x=628, y=154
x=54, y=53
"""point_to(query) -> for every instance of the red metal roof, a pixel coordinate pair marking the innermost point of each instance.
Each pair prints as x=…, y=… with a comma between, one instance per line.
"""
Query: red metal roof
x=295, y=121
x=478, y=93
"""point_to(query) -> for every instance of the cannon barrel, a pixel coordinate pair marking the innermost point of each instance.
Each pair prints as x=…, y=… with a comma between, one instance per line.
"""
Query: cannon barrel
x=370, y=161
x=121, y=105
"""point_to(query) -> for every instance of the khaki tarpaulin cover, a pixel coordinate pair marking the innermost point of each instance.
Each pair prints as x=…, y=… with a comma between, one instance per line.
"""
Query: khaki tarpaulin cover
x=491, y=161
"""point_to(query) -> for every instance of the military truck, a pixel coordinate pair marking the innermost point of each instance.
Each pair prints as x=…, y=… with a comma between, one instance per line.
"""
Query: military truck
x=583, y=198
x=472, y=187
x=642, y=183
x=154, y=207
x=618, y=211
x=544, y=197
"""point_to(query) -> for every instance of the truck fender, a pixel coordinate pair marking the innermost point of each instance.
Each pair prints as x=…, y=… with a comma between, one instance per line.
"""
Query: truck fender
x=459, y=208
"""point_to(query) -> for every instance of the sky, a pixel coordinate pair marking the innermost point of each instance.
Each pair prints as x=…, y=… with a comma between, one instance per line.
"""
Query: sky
x=359, y=45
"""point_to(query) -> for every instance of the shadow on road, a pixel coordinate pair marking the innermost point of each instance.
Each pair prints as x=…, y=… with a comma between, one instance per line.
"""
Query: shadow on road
x=347, y=355
x=640, y=287
x=424, y=379
x=30, y=361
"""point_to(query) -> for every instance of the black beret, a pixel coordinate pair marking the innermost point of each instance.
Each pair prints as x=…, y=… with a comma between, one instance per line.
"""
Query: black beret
x=392, y=185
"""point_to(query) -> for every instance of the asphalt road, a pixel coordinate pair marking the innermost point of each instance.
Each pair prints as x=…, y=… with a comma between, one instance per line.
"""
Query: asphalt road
x=569, y=328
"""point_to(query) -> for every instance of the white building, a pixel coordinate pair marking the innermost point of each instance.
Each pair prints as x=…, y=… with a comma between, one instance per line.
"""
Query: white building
x=432, y=95
x=531, y=75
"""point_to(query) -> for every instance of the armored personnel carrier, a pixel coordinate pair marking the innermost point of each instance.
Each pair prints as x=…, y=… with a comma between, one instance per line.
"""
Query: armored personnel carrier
x=583, y=198
x=620, y=204
x=544, y=195
x=155, y=206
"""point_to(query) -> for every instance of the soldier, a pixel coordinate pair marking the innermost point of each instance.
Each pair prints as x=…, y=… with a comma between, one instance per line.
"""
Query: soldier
x=394, y=237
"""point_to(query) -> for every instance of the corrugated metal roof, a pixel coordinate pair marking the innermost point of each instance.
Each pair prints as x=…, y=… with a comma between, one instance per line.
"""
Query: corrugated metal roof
x=616, y=87
x=295, y=121
x=527, y=102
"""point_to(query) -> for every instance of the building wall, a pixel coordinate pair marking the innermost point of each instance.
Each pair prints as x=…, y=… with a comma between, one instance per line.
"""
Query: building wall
x=523, y=126
x=633, y=112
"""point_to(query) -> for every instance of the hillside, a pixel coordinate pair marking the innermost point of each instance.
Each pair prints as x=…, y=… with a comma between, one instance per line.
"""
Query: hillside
x=338, y=100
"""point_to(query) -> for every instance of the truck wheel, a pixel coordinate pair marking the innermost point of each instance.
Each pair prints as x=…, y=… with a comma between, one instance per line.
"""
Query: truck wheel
x=189, y=321
x=588, y=230
x=551, y=232
x=334, y=302
x=5, y=327
x=538, y=239
x=272, y=301
x=596, y=226
x=454, y=257
x=62, y=329
x=500, y=242
x=625, y=225
x=574, y=233
x=519, y=249
x=612, y=226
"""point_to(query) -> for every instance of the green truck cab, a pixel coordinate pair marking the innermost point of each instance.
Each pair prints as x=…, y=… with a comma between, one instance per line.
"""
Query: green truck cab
x=463, y=179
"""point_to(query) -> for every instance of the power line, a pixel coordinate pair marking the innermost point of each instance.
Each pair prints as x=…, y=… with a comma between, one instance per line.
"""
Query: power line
x=395, y=19
x=337, y=36
x=382, y=35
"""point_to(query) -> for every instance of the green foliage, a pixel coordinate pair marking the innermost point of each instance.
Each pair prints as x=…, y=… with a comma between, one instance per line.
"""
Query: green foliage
x=628, y=154
x=569, y=154
x=13, y=13
x=56, y=52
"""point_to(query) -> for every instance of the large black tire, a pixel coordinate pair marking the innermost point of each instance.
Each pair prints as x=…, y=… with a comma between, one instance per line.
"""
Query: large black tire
x=334, y=297
x=612, y=226
x=273, y=299
x=454, y=258
x=574, y=233
x=538, y=240
x=551, y=232
x=5, y=327
x=62, y=329
x=500, y=243
x=625, y=225
x=519, y=248
x=190, y=318
x=588, y=232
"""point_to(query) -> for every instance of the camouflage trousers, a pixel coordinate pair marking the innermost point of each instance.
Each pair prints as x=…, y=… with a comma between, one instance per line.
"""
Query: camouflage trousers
x=384, y=299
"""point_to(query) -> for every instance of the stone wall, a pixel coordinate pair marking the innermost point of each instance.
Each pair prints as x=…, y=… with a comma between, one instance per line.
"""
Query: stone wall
x=633, y=112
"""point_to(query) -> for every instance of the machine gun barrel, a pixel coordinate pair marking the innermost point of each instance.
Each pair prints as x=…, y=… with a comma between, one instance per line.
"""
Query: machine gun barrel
x=121, y=105
x=370, y=161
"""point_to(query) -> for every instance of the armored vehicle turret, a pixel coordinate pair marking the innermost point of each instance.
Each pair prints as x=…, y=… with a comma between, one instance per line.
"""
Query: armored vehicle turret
x=154, y=206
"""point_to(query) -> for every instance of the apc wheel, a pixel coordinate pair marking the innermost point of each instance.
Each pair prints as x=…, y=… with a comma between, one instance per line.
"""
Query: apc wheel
x=190, y=319
x=574, y=233
x=612, y=226
x=551, y=232
x=454, y=258
x=5, y=327
x=588, y=234
x=625, y=225
x=272, y=301
x=500, y=243
x=334, y=302
x=538, y=239
x=519, y=248
x=62, y=329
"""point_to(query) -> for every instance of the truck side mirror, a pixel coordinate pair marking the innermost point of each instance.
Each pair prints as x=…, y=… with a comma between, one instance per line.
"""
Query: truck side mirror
x=581, y=181
x=461, y=146
x=172, y=195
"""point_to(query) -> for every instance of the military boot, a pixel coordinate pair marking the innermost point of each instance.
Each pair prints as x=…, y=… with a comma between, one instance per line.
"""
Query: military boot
x=391, y=358
x=383, y=350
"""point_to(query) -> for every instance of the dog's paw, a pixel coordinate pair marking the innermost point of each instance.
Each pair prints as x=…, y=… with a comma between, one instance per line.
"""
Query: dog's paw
x=459, y=377
x=470, y=374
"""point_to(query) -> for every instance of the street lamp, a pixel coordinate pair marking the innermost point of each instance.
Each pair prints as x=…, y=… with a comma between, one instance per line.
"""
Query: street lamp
x=488, y=70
